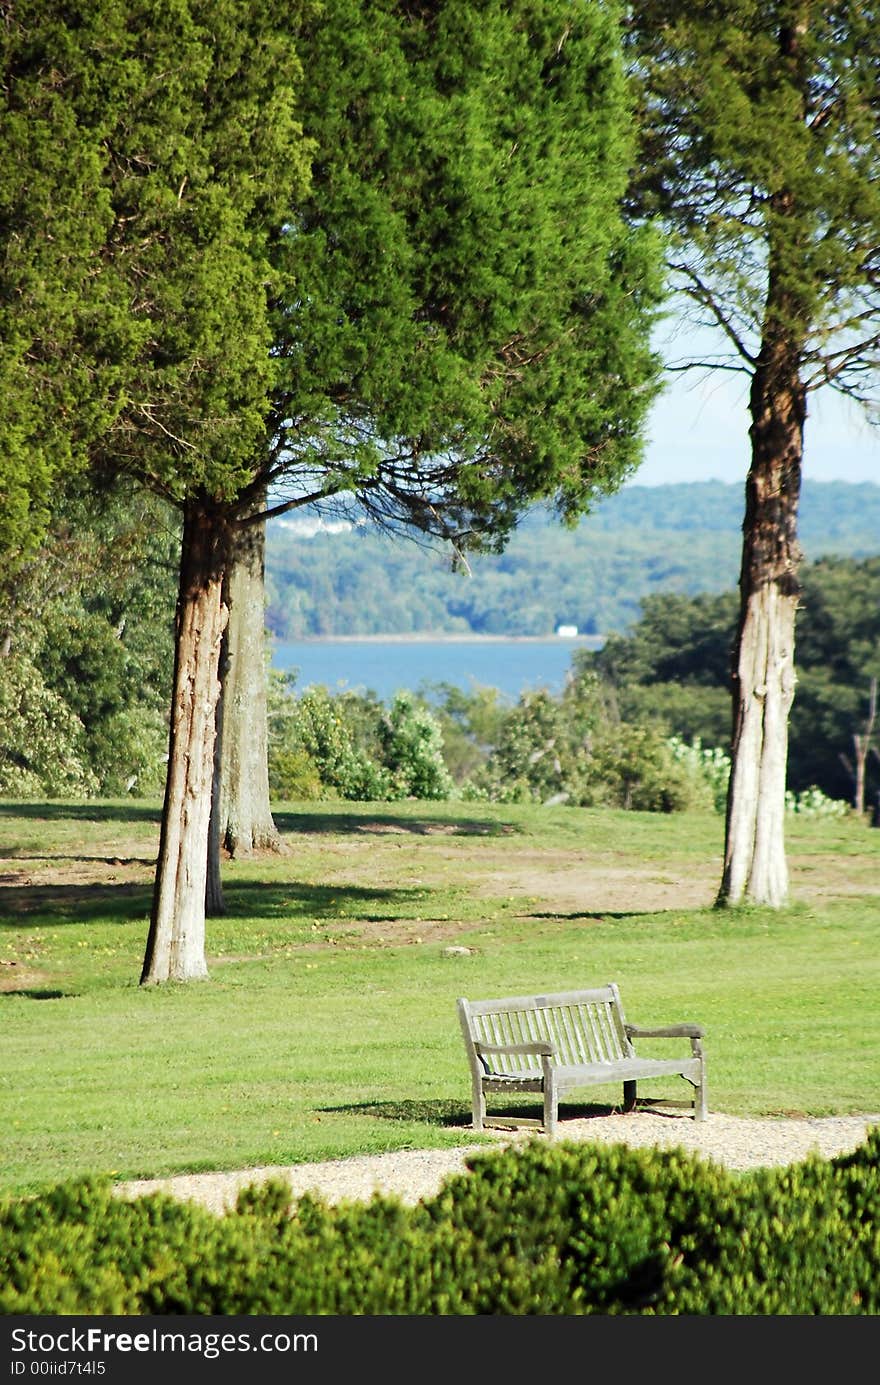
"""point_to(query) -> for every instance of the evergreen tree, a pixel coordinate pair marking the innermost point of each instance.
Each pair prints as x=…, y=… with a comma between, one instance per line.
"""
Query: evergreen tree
x=469, y=331
x=760, y=154
x=57, y=379
x=435, y=305
x=176, y=119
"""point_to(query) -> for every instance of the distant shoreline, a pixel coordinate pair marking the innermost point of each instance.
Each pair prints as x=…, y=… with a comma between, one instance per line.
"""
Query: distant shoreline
x=447, y=638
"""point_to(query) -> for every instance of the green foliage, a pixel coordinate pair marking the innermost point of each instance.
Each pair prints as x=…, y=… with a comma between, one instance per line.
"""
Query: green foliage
x=575, y=749
x=312, y=748
x=838, y=653
x=497, y=351
x=638, y=769
x=567, y=1229
x=759, y=148
x=470, y=723
x=352, y=747
x=135, y=260
x=56, y=217
x=42, y=741
x=673, y=667
x=206, y=151
x=706, y=763
x=536, y=757
x=412, y=742
x=545, y=749
x=99, y=631
x=813, y=803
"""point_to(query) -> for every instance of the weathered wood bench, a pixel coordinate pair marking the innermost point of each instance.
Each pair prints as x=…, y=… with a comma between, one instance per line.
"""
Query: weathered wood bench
x=557, y=1044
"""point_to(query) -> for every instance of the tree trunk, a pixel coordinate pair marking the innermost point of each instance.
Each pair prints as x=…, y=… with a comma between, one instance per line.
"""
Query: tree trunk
x=862, y=746
x=176, y=941
x=214, y=903
x=245, y=822
x=763, y=673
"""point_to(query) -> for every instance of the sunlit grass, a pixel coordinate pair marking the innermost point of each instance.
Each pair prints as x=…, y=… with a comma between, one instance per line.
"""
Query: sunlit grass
x=328, y=1025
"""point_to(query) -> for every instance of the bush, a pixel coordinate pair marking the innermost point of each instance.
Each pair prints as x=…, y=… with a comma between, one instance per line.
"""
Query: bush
x=321, y=746
x=42, y=741
x=575, y=749
x=412, y=743
x=536, y=1229
x=813, y=803
x=708, y=765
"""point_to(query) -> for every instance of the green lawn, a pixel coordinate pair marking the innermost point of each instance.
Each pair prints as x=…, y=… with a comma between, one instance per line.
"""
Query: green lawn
x=328, y=1025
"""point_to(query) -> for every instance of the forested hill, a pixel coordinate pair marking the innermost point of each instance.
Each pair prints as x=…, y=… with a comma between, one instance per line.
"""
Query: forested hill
x=350, y=579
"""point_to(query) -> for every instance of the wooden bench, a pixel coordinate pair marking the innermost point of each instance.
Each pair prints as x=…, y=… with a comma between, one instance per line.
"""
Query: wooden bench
x=557, y=1044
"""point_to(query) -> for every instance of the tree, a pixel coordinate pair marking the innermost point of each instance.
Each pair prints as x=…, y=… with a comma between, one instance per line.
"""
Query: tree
x=181, y=111
x=760, y=138
x=208, y=165
x=456, y=330
x=862, y=747
x=496, y=351
x=92, y=611
x=57, y=329
x=241, y=799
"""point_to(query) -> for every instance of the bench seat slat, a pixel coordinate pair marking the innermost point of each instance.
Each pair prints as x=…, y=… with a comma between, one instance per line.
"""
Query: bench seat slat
x=572, y=1075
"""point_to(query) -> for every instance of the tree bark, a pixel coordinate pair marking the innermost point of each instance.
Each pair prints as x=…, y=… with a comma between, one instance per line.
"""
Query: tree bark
x=176, y=942
x=214, y=902
x=763, y=672
x=246, y=824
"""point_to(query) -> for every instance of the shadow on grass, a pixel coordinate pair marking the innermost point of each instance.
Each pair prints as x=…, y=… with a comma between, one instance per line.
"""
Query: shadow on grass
x=15, y=854
x=441, y=1113
x=45, y=905
x=30, y=993
x=452, y=1114
x=251, y=899
x=81, y=812
x=378, y=823
x=600, y=916
x=326, y=817
x=49, y=905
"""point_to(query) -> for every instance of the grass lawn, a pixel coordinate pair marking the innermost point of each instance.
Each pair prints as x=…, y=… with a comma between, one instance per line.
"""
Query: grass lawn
x=328, y=1025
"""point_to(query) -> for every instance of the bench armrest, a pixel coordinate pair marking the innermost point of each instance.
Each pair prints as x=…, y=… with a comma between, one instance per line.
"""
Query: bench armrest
x=542, y=1048
x=669, y=1031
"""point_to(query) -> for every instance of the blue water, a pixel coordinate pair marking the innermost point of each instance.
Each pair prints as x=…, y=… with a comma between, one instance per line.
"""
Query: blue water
x=385, y=666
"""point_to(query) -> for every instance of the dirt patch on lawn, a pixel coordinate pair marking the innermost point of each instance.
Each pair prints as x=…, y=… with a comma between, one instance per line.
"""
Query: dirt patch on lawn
x=15, y=977
x=584, y=888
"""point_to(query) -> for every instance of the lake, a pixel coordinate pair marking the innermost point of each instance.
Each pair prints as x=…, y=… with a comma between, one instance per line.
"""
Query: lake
x=383, y=666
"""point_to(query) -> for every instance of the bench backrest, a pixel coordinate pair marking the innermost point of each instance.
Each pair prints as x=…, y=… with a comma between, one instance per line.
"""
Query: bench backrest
x=585, y=1026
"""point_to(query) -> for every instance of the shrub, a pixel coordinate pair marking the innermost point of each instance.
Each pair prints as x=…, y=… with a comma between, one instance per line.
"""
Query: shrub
x=412, y=744
x=346, y=746
x=813, y=803
x=708, y=765
x=535, y=1229
x=574, y=749
x=42, y=741
x=313, y=751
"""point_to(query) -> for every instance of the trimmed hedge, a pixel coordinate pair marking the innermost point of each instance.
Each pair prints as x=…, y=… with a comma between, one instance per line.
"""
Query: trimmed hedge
x=540, y=1229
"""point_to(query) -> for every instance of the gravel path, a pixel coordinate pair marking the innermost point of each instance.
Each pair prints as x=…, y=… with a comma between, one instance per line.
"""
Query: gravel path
x=411, y=1175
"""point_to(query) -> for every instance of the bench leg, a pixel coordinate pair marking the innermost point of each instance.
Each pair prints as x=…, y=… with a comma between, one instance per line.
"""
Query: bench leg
x=551, y=1107
x=629, y=1096
x=701, y=1097
x=478, y=1104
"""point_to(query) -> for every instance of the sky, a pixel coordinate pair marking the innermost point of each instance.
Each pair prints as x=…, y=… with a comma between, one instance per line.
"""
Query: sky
x=698, y=431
